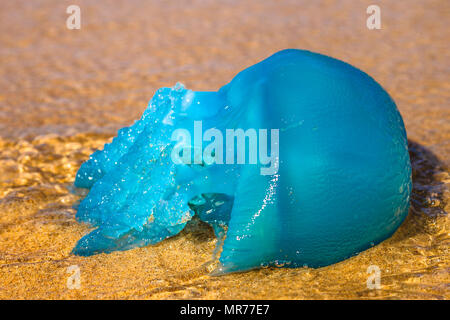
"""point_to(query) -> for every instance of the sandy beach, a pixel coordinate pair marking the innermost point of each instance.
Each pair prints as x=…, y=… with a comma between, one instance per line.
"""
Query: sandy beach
x=64, y=93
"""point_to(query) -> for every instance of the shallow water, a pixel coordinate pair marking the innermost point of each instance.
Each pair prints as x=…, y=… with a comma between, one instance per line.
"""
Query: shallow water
x=64, y=93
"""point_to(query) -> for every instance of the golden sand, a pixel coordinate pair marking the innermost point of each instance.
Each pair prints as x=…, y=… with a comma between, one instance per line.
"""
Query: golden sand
x=64, y=93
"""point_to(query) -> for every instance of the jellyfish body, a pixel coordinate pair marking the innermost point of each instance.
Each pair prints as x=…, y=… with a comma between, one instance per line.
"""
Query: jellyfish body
x=341, y=182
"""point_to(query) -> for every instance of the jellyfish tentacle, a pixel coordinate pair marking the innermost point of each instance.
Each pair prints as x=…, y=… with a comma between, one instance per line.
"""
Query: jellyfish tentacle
x=112, y=191
x=127, y=208
x=162, y=104
x=126, y=229
x=152, y=212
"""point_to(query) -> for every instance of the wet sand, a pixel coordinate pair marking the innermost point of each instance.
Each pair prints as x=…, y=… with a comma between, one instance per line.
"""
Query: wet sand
x=64, y=93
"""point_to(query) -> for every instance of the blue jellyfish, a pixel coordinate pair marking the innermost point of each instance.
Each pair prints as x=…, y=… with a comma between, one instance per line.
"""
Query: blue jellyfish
x=301, y=159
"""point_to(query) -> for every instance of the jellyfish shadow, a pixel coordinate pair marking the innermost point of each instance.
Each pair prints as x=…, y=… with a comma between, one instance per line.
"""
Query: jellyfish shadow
x=428, y=193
